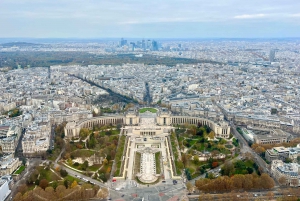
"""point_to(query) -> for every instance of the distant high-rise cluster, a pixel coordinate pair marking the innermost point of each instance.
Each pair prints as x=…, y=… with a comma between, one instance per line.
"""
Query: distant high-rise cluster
x=272, y=55
x=142, y=45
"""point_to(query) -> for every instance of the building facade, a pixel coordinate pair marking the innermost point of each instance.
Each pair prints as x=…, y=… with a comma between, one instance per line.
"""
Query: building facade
x=162, y=118
x=289, y=171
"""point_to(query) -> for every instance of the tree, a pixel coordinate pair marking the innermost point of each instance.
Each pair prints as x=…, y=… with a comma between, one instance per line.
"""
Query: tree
x=54, y=184
x=288, y=160
x=44, y=183
x=238, y=181
x=194, y=129
x=103, y=193
x=60, y=190
x=105, y=161
x=260, y=150
x=211, y=135
x=227, y=169
x=85, y=165
x=248, y=156
x=66, y=183
x=196, y=159
x=74, y=184
x=270, y=195
x=63, y=173
x=282, y=180
x=214, y=164
x=84, y=132
x=22, y=188
x=189, y=186
x=18, y=197
x=210, y=175
x=268, y=182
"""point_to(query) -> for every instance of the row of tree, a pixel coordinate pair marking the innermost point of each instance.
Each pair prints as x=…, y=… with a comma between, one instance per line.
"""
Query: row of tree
x=236, y=182
x=83, y=192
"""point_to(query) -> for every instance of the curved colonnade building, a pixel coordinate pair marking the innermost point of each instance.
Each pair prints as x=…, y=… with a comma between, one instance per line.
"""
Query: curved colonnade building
x=133, y=118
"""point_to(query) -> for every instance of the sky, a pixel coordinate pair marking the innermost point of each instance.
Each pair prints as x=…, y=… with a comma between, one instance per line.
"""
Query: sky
x=149, y=18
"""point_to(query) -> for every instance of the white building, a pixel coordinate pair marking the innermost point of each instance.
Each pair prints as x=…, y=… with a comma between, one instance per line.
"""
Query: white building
x=8, y=164
x=290, y=171
x=4, y=189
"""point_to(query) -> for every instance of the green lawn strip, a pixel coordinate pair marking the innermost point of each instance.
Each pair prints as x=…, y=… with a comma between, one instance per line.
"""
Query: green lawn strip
x=137, y=163
x=94, y=167
x=174, y=142
x=83, y=152
x=71, y=179
x=47, y=174
x=157, y=161
x=148, y=109
x=119, y=155
x=21, y=169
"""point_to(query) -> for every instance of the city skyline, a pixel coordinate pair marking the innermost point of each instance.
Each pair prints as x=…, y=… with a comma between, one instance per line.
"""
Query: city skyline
x=135, y=19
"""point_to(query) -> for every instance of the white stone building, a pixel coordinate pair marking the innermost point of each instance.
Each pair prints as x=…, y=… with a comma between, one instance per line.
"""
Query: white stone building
x=290, y=171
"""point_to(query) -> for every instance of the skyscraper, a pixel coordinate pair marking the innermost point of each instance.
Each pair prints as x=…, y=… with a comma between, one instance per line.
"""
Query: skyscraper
x=154, y=45
x=272, y=55
x=123, y=42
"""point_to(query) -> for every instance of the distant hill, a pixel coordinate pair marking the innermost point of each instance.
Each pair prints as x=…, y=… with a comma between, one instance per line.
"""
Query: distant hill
x=19, y=44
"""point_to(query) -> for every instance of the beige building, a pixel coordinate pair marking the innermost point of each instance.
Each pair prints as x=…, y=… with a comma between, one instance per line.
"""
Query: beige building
x=36, y=140
x=289, y=171
x=8, y=164
x=162, y=118
x=276, y=136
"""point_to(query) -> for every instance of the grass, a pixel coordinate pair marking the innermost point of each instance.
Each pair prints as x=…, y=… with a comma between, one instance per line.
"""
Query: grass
x=94, y=167
x=21, y=169
x=148, y=109
x=137, y=162
x=174, y=144
x=157, y=161
x=228, y=146
x=71, y=179
x=109, y=132
x=119, y=155
x=82, y=152
x=47, y=174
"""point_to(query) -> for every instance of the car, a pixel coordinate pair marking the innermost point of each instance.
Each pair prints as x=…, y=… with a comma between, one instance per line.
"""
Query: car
x=189, y=194
x=163, y=181
x=122, y=195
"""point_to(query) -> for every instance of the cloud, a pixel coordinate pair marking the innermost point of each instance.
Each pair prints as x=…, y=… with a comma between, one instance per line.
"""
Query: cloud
x=295, y=15
x=250, y=16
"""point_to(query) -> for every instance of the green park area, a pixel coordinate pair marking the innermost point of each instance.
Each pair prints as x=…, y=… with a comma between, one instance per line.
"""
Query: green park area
x=119, y=154
x=177, y=162
x=49, y=183
x=200, y=150
x=20, y=169
x=143, y=110
x=157, y=162
x=14, y=112
x=92, y=153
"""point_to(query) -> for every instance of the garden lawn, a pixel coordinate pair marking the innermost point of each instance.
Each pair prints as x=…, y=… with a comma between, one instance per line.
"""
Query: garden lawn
x=119, y=155
x=71, y=179
x=157, y=161
x=94, y=167
x=148, y=109
x=47, y=174
x=21, y=169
